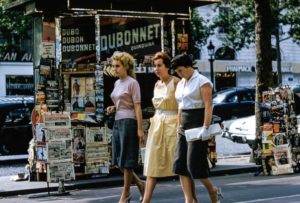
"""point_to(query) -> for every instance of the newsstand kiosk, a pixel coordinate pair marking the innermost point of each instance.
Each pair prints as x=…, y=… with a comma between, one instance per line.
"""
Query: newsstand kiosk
x=73, y=42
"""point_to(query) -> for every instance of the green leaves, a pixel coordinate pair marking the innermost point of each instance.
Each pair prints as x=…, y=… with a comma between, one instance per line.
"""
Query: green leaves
x=14, y=26
x=237, y=17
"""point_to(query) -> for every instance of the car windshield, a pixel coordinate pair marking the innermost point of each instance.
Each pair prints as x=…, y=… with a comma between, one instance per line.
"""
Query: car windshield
x=217, y=98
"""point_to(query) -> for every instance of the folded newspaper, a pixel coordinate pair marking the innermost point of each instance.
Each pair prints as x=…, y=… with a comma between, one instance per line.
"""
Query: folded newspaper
x=194, y=133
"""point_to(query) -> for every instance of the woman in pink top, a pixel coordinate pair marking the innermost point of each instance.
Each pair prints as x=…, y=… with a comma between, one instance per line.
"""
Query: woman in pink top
x=127, y=130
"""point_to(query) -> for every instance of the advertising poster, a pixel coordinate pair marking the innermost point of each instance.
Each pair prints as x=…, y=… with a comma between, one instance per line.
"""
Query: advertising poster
x=137, y=36
x=78, y=39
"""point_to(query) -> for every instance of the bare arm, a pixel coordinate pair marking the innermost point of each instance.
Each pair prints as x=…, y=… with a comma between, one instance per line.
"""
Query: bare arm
x=178, y=118
x=206, y=93
x=139, y=117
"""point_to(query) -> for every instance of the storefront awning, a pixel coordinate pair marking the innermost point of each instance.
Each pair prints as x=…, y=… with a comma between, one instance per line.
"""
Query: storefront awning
x=151, y=6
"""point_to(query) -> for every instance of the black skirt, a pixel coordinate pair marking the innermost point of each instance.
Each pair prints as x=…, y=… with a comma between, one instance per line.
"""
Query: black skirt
x=191, y=157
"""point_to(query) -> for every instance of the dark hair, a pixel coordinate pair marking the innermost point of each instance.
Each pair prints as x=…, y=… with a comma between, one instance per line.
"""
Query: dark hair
x=182, y=60
x=164, y=56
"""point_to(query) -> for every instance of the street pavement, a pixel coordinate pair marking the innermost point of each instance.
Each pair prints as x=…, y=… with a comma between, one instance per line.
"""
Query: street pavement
x=232, y=159
x=239, y=188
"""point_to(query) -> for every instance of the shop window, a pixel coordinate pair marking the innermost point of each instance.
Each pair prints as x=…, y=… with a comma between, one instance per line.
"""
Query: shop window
x=19, y=85
x=225, y=53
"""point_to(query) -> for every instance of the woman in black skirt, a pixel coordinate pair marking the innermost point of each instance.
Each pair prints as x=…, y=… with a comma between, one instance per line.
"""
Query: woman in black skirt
x=194, y=98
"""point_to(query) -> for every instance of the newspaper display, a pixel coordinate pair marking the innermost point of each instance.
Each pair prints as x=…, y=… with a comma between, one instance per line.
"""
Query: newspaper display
x=60, y=171
x=96, y=150
x=59, y=147
x=283, y=160
x=58, y=133
x=57, y=120
x=59, y=151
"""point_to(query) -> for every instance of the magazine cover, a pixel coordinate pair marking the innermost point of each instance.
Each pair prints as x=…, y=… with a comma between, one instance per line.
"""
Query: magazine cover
x=78, y=86
x=90, y=86
x=60, y=171
x=79, y=144
x=283, y=161
x=41, y=153
x=89, y=104
x=77, y=103
x=40, y=133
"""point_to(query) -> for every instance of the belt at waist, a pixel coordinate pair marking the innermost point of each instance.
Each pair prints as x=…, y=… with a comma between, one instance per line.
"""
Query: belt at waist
x=165, y=112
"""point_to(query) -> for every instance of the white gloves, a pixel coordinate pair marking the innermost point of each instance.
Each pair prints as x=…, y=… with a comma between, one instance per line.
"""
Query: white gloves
x=204, y=134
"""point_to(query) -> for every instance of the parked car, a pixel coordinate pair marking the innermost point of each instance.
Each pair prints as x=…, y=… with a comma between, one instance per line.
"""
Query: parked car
x=234, y=102
x=241, y=130
x=15, y=125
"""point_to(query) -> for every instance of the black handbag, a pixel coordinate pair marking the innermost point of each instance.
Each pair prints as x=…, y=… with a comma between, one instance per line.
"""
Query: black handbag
x=110, y=120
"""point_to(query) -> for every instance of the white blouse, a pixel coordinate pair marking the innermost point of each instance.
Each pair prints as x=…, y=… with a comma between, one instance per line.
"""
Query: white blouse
x=188, y=92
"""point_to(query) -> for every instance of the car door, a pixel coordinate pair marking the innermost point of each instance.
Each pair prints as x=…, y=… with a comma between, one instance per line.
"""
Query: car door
x=16, y=131
x=246, y=103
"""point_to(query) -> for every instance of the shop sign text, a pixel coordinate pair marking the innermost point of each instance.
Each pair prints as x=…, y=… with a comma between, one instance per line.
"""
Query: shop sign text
x=16, y=57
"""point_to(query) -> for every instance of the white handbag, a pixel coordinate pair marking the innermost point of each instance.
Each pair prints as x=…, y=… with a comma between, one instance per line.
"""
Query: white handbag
x=195, y=133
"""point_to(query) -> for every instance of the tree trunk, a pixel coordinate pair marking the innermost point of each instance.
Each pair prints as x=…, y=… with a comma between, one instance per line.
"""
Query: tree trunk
x=264, y=78
x=278, y=56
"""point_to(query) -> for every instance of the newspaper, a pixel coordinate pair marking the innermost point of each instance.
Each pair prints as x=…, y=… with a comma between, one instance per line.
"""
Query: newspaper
x=97, y=167
x=60, y=171
x=95, y=135
x=58, y=120
x=59, y=150
x=58, y=133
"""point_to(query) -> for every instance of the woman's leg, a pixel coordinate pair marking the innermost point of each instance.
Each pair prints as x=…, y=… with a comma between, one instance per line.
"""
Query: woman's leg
x=188, y=188
x=150, y=185
x=128, y=174
x=139, y=183
x=212, y=190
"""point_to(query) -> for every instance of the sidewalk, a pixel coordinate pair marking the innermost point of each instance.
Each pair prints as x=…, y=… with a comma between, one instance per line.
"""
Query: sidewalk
x=9, y=187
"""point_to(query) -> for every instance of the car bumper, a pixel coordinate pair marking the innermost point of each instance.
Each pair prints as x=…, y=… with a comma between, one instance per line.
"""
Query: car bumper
x=242, y=139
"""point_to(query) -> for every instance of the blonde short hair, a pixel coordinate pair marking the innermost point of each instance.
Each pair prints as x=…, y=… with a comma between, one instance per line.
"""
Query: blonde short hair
x=126, y=60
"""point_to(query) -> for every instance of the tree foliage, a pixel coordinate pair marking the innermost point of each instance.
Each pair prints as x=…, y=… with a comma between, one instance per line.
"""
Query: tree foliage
x=199, y=32
x=238, y=19
x=14, y=27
